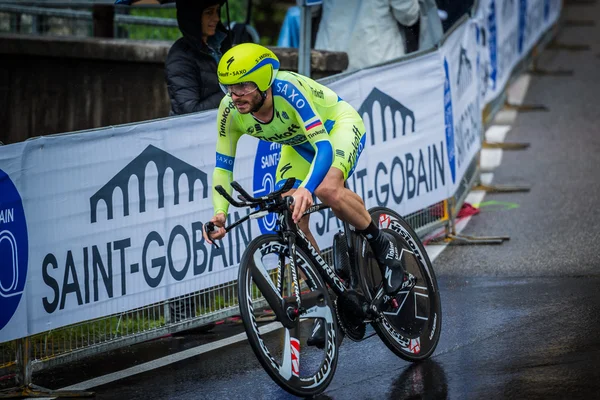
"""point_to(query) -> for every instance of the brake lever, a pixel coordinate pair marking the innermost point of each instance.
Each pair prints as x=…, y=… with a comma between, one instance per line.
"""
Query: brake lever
x=211, y=227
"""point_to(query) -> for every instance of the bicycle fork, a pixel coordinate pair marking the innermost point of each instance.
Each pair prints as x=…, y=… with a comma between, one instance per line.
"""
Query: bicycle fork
x=286, y=309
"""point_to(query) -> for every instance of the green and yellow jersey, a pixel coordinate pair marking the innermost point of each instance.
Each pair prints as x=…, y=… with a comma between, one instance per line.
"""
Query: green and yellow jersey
x=316, y=127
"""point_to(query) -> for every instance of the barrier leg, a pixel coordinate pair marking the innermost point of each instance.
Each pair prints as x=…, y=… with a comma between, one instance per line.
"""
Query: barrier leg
x=580, y=22
x=503, y=188
x=456, y=239
x=26, y=388
x=505, y=145
x=579, y=2
x=554, y=45
x=512, y=145
x=462, y=240
x=525, y=107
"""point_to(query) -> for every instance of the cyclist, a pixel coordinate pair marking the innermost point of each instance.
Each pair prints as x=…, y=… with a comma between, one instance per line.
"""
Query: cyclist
x=321, y=135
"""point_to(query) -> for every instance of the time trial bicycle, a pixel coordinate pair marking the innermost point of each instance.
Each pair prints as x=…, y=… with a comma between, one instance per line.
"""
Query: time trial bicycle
x=284, y=283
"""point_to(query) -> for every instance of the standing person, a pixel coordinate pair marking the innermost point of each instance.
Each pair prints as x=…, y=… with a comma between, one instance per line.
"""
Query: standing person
x=430, y=25
x=191, y=66
x=454, y=10
x=369, y=31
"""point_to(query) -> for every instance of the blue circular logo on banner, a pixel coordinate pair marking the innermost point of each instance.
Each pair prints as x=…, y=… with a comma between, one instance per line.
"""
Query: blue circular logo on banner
x=265, y=172
x=14, y=249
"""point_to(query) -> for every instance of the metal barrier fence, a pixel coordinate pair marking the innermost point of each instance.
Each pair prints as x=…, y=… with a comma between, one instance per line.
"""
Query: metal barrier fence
x=73, y=22
x=20, y=358
x=191, y=311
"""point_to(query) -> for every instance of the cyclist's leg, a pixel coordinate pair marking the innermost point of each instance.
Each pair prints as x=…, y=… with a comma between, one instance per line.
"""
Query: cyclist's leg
x=345, y=204
x=292, y=164
x=348, y=138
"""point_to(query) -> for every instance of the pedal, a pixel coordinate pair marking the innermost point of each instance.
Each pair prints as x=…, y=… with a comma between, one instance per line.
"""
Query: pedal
x=410, y=280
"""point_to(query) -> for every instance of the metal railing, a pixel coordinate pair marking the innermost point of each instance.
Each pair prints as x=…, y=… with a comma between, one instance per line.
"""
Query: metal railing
x=181, y=313
x=16, y=18
x=191, y=311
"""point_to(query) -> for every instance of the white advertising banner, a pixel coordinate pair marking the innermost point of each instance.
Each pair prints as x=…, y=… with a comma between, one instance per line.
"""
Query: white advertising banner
x=114, y=219
x=540, y=15
x=406, y=163
x=461, y=63
x=512, y=27
x=114, y=216
x=505, y=24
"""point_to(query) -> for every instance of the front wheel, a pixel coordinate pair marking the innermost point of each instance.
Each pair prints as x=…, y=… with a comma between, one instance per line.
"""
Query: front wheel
x=410, y=322
x=265, y=273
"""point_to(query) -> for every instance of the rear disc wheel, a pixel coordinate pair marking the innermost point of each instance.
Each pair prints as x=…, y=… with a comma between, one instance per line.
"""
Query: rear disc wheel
x=410, y=321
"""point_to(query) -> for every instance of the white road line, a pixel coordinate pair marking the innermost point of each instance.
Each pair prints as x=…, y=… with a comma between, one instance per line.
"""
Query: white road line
x=490, y=159
x=518, y=90
x=170, y=359
x=495, y=133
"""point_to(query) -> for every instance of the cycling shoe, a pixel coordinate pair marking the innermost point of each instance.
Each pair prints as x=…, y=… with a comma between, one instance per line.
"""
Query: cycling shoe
x=389, y=258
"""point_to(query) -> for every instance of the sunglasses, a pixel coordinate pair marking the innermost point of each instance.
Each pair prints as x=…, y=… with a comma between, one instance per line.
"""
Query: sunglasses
x=240, y=89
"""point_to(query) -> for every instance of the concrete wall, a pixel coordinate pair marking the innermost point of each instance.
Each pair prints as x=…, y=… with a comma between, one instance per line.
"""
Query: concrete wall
x=54, y=85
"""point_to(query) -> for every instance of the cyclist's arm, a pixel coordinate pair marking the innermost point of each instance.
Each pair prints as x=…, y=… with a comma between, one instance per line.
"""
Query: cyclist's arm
x=226, y=149
x=319, y=139
x=300, y=101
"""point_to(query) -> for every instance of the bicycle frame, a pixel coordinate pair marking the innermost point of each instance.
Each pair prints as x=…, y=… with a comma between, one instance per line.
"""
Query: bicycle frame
x=288, y=310
x=291, y=233
x=275, y=262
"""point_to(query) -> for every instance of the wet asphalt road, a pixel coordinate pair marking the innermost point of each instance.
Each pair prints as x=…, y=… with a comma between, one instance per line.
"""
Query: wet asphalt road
x=502, y=338
x=521, y=320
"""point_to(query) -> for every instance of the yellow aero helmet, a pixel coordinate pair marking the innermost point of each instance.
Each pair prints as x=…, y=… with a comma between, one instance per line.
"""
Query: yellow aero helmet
x=248, y=62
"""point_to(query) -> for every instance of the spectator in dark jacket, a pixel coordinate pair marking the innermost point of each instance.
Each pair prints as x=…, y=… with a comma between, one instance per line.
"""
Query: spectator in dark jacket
x=454, y=10
x=191, y=66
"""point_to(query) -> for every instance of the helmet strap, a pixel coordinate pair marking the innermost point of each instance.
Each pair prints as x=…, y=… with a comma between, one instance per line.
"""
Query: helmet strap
x=263, y=97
